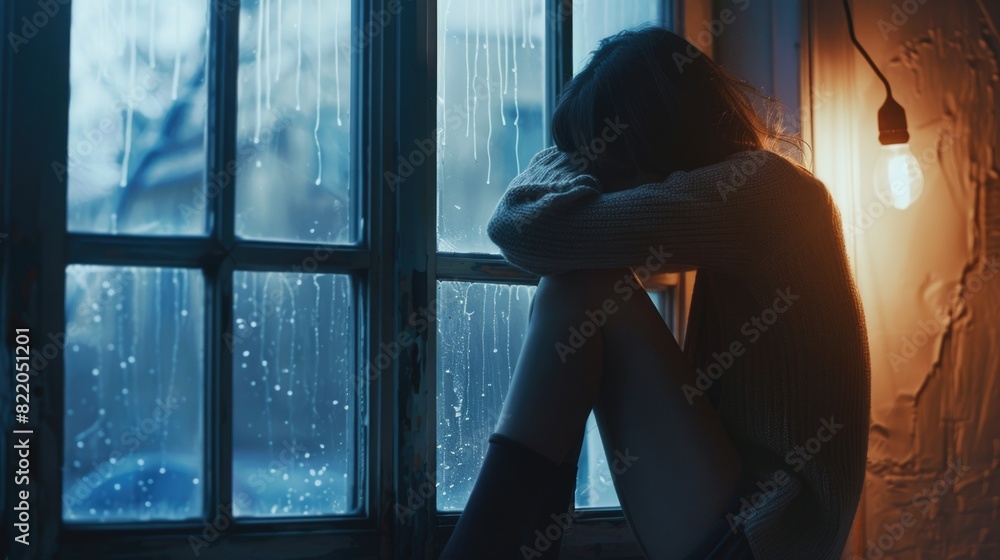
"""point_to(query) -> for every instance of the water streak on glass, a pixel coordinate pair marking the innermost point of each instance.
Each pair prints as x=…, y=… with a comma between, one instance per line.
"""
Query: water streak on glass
x=491, y=96
x=292, y=165
x=481, y=328
x=594, y=20
x=134, y=372
x=298, y=430
x=136, y=138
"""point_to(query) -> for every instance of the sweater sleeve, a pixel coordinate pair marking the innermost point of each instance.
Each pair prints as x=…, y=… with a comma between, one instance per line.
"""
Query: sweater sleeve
x=554, y=218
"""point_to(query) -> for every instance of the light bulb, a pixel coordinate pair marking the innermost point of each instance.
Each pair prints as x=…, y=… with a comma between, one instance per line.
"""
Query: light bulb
x=899, y=181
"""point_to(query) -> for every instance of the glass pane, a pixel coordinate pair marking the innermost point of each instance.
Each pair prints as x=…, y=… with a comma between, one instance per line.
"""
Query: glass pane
x=294, y=122
x=481, y=329
x=594, y=20
x=297, y=433
x=594, y=486
x=491, y=99
x=136, y=159
x=134, y=359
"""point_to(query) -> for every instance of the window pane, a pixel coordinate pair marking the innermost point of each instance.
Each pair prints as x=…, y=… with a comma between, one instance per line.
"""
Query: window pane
x=594, y=20
x=594, y=486
x=134, y=360
x=294, y=120
x=481, y=329
x=491, y=96
x=297, y=433
x=136, y=159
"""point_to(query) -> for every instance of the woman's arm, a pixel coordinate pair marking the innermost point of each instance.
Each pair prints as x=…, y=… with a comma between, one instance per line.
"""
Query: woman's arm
x=727, y=216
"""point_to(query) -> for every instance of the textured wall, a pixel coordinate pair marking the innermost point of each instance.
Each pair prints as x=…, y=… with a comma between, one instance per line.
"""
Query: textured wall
x=930, y=275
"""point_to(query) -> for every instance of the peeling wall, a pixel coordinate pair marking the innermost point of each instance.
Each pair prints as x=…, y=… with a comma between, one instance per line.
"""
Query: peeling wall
x=930, y=275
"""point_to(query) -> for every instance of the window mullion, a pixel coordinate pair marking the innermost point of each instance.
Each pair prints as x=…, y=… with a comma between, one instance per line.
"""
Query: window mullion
x=221, y=133
x=372, y=138
x=414, y=111
x=221, y=138
x=668, y=15
x=559, y=55
x=34, y=204
x=127, y=250
x=481, y=268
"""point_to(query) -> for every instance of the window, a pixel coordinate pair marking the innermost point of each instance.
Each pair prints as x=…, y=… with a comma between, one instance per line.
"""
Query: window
x=251, y=306
x=137, y=118
x=494, y=81
x=260, y=234
x=134, y=426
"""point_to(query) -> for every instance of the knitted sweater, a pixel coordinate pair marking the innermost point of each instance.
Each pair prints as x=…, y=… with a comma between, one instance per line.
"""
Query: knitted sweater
x=776, y=330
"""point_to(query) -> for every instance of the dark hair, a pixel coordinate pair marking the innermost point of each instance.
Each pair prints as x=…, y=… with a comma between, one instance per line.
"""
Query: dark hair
x=648, y=101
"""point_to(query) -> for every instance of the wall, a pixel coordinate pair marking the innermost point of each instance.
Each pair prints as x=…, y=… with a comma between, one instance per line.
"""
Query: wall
x=930, y=275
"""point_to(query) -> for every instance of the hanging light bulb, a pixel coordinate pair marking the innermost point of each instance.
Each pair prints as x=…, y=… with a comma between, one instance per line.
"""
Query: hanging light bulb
x=898, y=179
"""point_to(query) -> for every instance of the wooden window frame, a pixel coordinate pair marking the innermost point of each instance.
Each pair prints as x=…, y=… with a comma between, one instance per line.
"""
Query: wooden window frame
x=395, y=267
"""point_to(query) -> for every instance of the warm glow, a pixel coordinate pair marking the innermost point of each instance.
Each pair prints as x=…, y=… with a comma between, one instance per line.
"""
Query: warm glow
x=899, y=180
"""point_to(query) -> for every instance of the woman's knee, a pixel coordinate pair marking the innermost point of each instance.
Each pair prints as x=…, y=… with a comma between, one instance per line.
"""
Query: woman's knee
x=607, y=293
x=581, y=288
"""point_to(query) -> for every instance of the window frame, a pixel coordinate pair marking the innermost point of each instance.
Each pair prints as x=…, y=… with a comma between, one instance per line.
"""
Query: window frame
x=605, y=526
x=395, y=272
x=216, y=255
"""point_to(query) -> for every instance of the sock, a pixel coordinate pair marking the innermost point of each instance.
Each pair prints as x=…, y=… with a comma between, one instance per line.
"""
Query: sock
x=557, y=514
x=513, y=489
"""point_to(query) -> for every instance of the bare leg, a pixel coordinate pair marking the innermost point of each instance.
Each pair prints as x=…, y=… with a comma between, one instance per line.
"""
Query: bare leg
x=673, y=463
x=552, y=393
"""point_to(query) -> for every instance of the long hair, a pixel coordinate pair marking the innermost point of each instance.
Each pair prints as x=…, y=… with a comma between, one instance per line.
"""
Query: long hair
x=649, y=102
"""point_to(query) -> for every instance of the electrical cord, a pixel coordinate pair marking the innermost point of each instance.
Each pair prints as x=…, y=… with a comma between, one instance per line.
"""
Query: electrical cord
x=864, y=53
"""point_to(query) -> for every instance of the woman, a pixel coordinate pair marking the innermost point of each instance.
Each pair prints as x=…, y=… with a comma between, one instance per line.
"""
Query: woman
x=750, y=442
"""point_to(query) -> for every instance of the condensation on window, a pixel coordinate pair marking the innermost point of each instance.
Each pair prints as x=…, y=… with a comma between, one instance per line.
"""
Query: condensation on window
x=491, y=98
x=136, y=139
x=481, y=329
x=298, y=402
x=293, y=154
x=134, y=373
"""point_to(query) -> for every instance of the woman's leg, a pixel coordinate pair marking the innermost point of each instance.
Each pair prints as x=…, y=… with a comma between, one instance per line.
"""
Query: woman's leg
x=518, y=505
x=674, y=466
x=556, y=382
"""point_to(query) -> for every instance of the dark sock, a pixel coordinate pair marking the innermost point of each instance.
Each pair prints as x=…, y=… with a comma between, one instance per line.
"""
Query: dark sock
x=544, y=540
x=513, y=490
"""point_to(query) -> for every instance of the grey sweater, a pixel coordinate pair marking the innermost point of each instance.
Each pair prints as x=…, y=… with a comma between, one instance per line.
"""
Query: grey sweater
x=776, y=329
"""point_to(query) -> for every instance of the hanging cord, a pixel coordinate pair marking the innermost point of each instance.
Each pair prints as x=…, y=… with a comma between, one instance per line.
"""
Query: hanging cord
x=864, y=53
